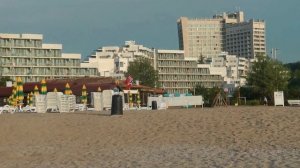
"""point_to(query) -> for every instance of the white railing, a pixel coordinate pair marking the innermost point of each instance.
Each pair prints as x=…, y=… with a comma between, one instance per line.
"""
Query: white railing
x=294, y=102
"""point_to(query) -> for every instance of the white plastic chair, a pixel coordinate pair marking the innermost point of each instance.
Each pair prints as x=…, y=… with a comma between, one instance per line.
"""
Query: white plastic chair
x=32, y=109
x=28, y=108
x=52, y=109
x=8, y=109
x=82, y=107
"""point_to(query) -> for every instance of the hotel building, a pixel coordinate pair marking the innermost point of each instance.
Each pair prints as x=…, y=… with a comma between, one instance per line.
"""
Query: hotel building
x=176, y=73
x=228, y=32
x=113, y=60
x=26, y=55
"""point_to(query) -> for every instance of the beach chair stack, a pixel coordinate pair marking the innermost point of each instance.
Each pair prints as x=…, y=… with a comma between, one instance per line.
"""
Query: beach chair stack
x=97, y=101
x=40, y=103
x=72, y=103
x=63, y=104
x=107, y=99
x=66, y=103
x=52, y=101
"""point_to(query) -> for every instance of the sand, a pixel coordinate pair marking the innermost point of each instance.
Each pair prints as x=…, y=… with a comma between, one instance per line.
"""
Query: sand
x=209, y=137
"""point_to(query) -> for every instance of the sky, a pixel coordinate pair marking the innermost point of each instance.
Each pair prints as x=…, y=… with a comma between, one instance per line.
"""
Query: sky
x=82, y=26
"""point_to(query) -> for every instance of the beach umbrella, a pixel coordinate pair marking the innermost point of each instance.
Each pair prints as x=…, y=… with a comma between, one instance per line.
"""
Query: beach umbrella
x=9, y=100
x=30, y=97
x=130, y=100
x=138, y=99
x=14, y=95
x=54, y=90
x=83, y=95
x=19, y=91
x=36, y=90
x=43, y=87
x=27, y=99
x=14, y=98
x=68, y=90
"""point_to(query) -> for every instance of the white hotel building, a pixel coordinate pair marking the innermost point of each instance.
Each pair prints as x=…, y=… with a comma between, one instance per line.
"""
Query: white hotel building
x=177, y=73
x=26, y=56
x=113, y=60
x=230, y=32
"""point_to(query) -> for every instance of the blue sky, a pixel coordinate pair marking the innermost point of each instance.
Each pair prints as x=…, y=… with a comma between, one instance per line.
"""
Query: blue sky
x=84, y=25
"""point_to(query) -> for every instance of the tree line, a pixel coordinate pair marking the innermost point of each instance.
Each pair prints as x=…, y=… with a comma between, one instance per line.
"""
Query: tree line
x=266, y=76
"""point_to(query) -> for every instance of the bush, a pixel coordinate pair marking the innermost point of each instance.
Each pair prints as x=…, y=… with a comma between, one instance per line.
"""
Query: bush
x=253, y=102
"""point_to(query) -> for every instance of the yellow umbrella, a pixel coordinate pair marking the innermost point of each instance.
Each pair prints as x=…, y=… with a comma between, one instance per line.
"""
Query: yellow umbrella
x=9, y=100
x=68, y=90
x=36, y=90
x=19, y=91
x=30, y=99
x=99, y=89
x=55, y=90
x=14, y=94
x=130, y=99
x=83, y=95
x=138, y=101
x=43, y=87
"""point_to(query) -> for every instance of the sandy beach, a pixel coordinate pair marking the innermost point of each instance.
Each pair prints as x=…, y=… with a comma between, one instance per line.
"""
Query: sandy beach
x=209, y=137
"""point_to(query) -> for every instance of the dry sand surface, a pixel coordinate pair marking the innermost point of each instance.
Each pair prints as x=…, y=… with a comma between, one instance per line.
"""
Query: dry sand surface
x=209, y=137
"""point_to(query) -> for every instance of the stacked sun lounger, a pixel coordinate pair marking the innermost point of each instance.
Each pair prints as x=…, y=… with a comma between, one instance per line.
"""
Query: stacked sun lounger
x=63, y=104
x=66, y=103
x=52, y=101
x=97, y=101
x=40, y=103
x=72, y=103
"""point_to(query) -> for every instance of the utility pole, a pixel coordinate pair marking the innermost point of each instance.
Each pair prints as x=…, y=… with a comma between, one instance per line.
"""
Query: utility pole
x=274, y=53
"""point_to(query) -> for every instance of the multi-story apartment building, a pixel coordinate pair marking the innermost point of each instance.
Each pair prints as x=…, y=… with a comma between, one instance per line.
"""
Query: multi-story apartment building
x=246, y=39
x=233, y=69
x=176, y=73
x=227, y=32
x=26, y=56
x=200, y=37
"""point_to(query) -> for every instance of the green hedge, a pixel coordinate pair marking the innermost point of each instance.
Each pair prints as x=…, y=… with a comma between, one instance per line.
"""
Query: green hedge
x=253, y=102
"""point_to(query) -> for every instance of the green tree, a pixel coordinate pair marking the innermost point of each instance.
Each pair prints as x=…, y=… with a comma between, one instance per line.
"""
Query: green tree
x=142, y=70
x=268, y=75
x=208, y=94
x=294, y=83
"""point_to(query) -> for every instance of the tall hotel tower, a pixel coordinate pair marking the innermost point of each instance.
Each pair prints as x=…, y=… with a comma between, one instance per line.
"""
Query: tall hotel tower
x=228, y=32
